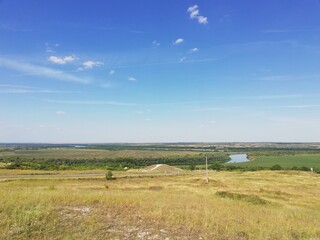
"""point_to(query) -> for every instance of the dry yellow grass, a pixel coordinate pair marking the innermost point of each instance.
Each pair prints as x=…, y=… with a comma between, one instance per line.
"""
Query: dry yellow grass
x=249, y=205
x=4, y=172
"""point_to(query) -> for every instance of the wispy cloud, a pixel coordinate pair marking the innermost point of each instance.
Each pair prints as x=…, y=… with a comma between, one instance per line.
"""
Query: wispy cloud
x=299, y=106
x=90, y=64
x=111, y=72
x=263, y=97
x=195, y=14
x=193, y=50
x=266, y=97
x=10, y=28
x=276, y=78
x=41, y=71
x=155, y=43
x=276, y=31
x=167, y=63
x=241, y=108
x=63, y=60
x=59, y=112
x=6, y=88
x=290, y=77
x=107, y=85
x=84, y=102
x=212, y=100
x=178, y=41
x=50, y=48
x=133, y=79
x=183, y=59
x=202, y=60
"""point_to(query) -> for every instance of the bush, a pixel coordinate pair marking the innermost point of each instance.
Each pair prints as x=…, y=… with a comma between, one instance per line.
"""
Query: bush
x=192, y=167
x=276, y=167
x=216, y=166
x=305, y=169
x=301, y=168
x=109, y=175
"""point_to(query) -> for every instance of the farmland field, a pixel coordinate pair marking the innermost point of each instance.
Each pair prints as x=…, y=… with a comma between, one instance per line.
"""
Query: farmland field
x=90, y=153
x=285, y=161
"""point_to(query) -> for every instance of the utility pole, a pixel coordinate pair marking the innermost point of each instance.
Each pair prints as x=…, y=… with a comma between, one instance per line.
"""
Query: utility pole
x=207, y=178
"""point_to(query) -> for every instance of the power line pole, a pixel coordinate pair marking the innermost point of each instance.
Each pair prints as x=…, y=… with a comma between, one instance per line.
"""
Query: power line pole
x=207, y=178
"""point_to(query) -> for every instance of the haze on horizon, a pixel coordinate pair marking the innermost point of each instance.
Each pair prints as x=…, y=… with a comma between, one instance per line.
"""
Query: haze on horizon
x=159, y=71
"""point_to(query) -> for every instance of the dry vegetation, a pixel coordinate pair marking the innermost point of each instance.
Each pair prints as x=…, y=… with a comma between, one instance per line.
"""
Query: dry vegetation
x=234, y=205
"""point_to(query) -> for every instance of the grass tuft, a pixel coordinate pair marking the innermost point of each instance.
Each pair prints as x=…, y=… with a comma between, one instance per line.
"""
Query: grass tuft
x=242, y=197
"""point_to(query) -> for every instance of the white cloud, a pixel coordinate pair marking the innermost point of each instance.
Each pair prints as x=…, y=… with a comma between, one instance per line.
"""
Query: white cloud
x=59, y=112
x=183, y=59
x=62, y=60
x=195, y=14
x=178, y=41
x=112, y=72
x=132, y=79
x=193, y=50
x=90, y=64
x=40, y=71
x=193, y=8
x=202, y=20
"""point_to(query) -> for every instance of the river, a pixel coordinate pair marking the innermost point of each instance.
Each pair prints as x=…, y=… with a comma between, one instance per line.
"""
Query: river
x=237, y=158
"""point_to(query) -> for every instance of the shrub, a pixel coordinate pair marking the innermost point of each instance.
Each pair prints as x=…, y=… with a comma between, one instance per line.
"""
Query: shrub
x=276, y=167
x=305, y=169
x=192, y=167
x=109, y=175
x=216, y=166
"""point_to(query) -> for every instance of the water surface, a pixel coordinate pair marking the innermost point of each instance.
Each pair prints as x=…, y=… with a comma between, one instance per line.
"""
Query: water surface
x=237, y=158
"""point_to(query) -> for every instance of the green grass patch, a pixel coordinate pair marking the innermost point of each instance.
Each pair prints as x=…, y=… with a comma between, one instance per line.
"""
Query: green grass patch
x=286, y=162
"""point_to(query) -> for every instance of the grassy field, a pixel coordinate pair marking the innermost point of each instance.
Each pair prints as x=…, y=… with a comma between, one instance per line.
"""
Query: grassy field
x=234, y=205
x=286, y=161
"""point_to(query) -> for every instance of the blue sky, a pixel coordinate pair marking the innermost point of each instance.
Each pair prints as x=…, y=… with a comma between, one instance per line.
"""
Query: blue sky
x=159, y=71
